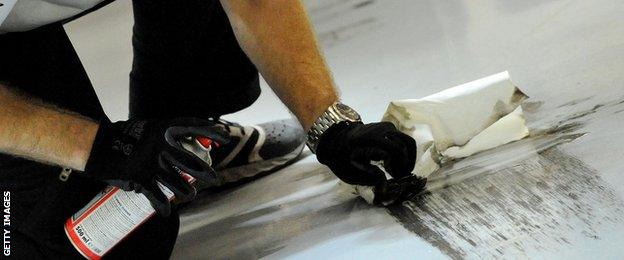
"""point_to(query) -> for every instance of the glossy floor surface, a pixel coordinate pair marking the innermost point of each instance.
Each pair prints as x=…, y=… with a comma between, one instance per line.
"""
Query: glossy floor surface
x=559, y=193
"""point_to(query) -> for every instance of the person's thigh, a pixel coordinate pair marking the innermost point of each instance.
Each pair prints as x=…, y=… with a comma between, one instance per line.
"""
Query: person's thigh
x=153, y=240
x=187, y=62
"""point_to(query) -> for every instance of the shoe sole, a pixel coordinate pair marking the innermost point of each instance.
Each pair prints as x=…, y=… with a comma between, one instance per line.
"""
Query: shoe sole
x=235, y=174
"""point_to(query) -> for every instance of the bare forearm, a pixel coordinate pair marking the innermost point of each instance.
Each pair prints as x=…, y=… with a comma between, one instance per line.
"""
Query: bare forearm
x=39, y=132
x=278, y=38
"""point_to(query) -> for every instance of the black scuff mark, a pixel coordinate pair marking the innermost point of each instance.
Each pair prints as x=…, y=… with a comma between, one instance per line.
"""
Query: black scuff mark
x=336, y=9
x=586, y=113
x=521, y=206
x=575, y=102
x=363, y=4
x=415, y=224
x=327, y=8
x=346, y=32
x=619, y=111
x=571, y=121
x=514, y=206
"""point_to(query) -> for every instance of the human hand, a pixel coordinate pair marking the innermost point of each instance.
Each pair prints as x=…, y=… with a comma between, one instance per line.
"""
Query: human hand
x=350, y=150
x=135, y=155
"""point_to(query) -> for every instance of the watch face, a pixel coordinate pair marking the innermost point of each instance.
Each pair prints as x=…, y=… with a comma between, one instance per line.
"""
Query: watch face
x=347, y=112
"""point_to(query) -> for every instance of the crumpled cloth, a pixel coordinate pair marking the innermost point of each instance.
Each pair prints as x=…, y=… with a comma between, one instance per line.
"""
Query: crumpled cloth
x=458, y=122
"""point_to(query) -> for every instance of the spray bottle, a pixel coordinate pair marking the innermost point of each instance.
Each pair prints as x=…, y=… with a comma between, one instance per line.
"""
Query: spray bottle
x=113, y=214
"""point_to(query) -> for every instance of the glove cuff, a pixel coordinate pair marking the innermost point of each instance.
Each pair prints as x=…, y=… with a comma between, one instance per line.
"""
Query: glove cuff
x=333, y=134
x=103, y=139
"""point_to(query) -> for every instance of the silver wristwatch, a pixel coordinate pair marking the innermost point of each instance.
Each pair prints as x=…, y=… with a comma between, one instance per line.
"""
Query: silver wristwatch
x=337, y=112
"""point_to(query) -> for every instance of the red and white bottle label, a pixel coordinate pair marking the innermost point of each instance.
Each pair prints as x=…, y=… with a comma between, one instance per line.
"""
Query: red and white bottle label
x=108, y=218
x=114, y=214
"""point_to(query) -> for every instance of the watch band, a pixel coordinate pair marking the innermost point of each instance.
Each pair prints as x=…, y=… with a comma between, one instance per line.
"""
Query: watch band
x=334, y=114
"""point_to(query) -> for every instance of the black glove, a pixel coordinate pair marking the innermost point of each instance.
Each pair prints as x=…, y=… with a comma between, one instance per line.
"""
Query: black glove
x=134, y=155
x=398, y=190
x=348, y=148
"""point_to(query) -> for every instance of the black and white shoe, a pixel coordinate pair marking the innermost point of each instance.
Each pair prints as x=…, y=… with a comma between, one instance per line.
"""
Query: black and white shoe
x=256, y=149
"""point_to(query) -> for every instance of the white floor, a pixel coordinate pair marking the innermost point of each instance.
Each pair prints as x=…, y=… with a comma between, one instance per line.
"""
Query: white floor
x=557, y=51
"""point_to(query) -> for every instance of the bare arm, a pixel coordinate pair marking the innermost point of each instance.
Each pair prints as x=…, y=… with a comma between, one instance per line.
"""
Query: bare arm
x=278, y=38
x=31, y=129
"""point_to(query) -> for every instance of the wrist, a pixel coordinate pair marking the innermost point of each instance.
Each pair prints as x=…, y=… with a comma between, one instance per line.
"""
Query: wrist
x=334, y=114
x=321, y=103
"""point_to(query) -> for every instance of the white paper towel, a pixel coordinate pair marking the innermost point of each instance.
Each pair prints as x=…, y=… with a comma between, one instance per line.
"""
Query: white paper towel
x=458, y=122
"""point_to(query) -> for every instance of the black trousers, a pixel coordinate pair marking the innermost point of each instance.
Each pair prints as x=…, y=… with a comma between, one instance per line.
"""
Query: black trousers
x=189, y=65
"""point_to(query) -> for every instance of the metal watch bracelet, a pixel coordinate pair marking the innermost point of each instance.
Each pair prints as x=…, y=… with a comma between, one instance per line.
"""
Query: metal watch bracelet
x=335, y=113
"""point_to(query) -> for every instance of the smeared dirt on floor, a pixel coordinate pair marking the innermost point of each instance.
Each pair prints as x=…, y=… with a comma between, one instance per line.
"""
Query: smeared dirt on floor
x=519, y=199
x=538, y=203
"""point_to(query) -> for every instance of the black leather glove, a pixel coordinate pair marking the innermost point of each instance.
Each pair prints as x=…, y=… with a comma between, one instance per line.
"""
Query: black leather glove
x=348, y=148
x=398, y=190
x=134, y=155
